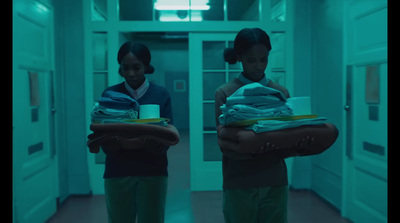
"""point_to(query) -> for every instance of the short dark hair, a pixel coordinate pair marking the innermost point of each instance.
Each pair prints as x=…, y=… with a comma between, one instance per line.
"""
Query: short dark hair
x=140, y=51
x=245, y=39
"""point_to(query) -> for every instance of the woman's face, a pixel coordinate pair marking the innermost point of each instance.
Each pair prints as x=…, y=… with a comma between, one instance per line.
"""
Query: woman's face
x=132, y=70
x=254, y=62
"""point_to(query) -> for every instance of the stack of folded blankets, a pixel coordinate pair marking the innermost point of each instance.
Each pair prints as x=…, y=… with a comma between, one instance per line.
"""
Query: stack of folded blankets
x=113, y=117
x=255, y=115
x=263, y=104
x=114, y=107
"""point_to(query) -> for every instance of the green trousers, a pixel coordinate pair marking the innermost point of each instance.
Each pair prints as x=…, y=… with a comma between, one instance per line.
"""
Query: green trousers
x=136, y=198
x=256, y=205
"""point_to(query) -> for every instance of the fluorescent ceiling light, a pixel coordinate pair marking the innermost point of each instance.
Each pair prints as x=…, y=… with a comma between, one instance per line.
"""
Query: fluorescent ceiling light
x=171, y=19
x=168, y=16
x=167, y=5
x=181, y=7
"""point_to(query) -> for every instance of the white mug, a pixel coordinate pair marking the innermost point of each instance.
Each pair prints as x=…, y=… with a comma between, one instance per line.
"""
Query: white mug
x=149, y=111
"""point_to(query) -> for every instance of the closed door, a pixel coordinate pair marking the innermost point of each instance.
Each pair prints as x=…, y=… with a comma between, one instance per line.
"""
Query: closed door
x=34, y=167
x=208, y=71
x=365, y=160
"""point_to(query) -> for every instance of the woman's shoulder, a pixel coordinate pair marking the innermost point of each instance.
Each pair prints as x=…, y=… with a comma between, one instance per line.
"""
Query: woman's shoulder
x=155, y=88
x=279, y=87
x=229, y=87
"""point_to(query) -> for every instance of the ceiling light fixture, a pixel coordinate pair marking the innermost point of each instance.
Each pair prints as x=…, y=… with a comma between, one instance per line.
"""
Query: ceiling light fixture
x=168, y=5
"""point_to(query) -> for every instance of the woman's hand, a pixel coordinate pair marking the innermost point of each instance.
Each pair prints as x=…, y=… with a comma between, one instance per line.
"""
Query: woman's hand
x=111, y=145
x=302, y=146
x=267, y=147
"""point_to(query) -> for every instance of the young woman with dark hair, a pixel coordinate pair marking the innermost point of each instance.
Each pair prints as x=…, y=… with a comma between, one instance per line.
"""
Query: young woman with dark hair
x=136, y=179
x=255, y=186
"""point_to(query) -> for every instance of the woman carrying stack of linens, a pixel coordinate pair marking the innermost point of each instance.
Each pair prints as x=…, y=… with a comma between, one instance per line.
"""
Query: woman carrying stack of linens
x=255, y=182
x=135, y=177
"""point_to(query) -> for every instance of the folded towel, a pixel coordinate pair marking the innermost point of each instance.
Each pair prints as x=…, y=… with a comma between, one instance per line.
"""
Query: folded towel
x=244, y=112
x=247, y=141
x=253, y=101
x=273, y=125
x=256, y=100
x=118, y=100
x=254, y=89
x=131, y=136
x=103, y=114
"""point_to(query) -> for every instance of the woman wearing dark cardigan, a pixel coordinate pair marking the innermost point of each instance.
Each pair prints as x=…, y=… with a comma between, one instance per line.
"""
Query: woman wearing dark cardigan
x=136, y=179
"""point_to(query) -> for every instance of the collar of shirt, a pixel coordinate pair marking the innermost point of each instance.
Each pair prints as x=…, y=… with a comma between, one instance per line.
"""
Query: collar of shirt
x=264, y=81
x=138, y=93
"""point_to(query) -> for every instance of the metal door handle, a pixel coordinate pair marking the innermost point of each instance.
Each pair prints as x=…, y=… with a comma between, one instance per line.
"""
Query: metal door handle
x=347, y=107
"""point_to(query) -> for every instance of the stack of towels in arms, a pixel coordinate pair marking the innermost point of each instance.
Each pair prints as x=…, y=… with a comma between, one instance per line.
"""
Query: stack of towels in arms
x=115, y=107
x=255, y=115
x=254, y=102
x=116, y=115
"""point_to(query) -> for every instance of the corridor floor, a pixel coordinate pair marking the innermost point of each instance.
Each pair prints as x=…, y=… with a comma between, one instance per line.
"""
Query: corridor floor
x=184, y=206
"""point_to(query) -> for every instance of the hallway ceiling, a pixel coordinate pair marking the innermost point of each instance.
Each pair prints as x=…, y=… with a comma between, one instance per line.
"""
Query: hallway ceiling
x=143, y=10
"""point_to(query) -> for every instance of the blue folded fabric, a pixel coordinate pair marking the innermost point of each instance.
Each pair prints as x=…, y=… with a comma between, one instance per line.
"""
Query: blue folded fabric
x=254, y=110
x=254, y=101
x=101, y=114
x=273, y=125
x=262, y=100
x=117, y=100
x=255, y=93
x=244, y=112
x=114, y=107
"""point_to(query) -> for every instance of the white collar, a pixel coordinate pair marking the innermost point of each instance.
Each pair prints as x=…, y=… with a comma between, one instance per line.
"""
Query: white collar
x=138, y=93
x=264, y=81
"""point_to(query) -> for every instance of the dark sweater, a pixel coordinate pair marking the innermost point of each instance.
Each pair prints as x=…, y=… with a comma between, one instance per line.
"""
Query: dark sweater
x=242, y=171
x=125, y=163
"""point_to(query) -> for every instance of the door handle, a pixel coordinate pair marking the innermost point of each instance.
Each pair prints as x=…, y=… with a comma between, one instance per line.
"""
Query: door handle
x=347, y=107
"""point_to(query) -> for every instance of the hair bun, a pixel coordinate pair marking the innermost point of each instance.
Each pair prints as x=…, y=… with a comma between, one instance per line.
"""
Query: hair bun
x=230, y=55
x=150, y=69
